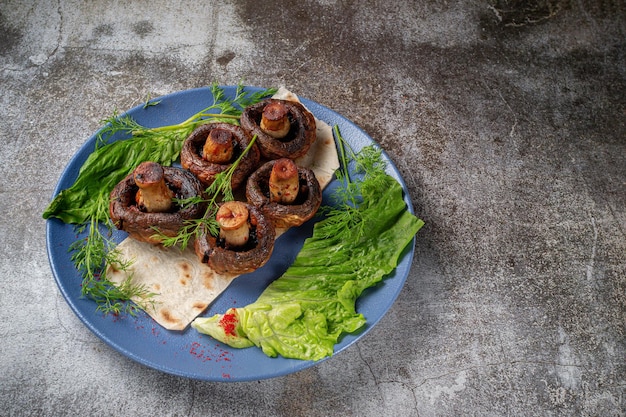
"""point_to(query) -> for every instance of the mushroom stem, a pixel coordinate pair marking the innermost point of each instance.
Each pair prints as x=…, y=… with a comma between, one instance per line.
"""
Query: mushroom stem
x=154, y=196
x=284, y=182
x=275, y=120
x=232, y=217
x=218, y=147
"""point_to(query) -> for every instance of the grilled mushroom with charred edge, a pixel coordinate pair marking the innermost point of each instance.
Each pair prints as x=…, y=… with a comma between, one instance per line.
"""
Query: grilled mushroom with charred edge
x=284, y=129
x=245, y=242
x=212, y=148
x=141, y=204
x=287, y=194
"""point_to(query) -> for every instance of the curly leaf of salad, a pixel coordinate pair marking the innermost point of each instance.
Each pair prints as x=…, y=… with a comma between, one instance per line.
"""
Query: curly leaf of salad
x=303, y=313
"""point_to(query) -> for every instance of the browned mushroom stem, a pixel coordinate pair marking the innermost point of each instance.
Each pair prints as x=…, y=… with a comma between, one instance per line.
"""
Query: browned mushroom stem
x=153, y=195
x=196, y=158
x=218, y=147
x=232, y=218
x=146, y=226
x=303, y=208
x=253, y=255
x=284, y=182
x=296, y=142
x=275, y=120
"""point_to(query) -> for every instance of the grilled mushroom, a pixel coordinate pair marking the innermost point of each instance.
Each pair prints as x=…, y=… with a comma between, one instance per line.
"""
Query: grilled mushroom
x=141, y=204
x=212, y=148
x=283, y=213
x=245, y=243
x=284, y=129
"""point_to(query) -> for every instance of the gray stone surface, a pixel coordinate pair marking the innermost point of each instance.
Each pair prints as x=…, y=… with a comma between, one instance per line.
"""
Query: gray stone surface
x=507, y=120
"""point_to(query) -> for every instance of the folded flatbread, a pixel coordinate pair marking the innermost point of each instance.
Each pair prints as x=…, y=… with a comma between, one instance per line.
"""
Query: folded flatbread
x=183, y=287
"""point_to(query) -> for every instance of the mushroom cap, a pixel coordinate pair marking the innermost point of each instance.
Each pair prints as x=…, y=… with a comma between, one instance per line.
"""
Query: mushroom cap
x=239, y=261
x=297, y=142
x=192, y=160
x=285, y=215
x=146, y=227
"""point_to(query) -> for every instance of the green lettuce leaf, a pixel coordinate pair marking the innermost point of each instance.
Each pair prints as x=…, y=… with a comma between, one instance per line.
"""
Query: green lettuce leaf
x=303, y=313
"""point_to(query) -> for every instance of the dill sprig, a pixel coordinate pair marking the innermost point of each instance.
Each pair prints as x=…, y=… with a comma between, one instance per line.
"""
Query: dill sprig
x=88, y=256
x=221, y=109
x=220, y=190
x=367, y=179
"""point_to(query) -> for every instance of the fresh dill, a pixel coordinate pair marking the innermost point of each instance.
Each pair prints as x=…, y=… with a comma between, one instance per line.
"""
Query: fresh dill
x=149, y=102
x=368, y=177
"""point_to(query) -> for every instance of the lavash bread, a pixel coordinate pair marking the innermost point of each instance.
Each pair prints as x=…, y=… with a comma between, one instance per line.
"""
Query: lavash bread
x=183, y=286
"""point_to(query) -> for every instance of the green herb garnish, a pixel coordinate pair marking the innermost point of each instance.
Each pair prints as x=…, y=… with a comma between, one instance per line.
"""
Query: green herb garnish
x=368, y=178
x=149, y=102
x=121, y=145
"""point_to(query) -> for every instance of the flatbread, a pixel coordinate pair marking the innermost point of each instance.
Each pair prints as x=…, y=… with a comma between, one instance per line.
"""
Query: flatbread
x=183, y=287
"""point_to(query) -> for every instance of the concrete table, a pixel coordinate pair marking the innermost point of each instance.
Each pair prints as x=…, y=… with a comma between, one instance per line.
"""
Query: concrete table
x=507, y=120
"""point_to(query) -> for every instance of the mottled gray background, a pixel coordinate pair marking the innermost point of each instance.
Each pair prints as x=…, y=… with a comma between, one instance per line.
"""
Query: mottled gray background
x=507, y=120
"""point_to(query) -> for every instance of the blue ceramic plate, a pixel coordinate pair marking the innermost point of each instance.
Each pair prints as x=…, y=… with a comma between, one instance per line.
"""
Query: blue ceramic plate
x=189, y=353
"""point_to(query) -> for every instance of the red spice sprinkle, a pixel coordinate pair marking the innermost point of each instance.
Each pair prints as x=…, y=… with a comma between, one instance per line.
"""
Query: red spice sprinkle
x=228, y=322
x=197, y=351
x=194, y=346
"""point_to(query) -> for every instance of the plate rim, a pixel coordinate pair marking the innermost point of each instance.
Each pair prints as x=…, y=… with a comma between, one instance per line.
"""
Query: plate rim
x=86, y=149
